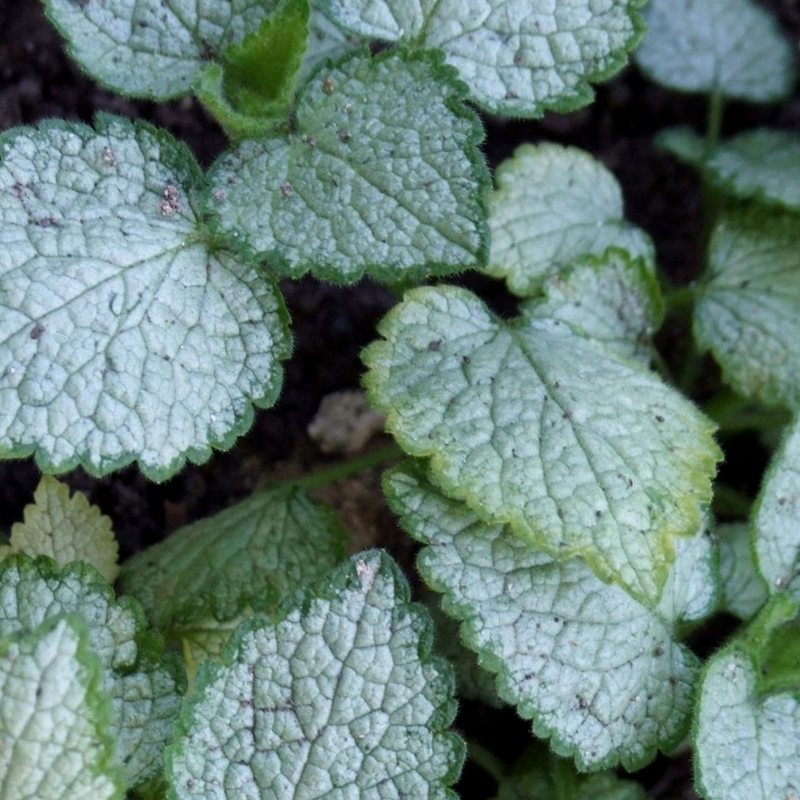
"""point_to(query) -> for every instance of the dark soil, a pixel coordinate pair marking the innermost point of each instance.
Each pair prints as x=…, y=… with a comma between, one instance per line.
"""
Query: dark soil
x=332, y=324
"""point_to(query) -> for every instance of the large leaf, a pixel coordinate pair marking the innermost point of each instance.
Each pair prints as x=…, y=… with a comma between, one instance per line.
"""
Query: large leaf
x=579, y=450
x=552, y=205
x=518, y=58
x=383, y=176
x=337, y=697
x=144, y=684
x=748, y=307
x=123, y=334
x=730, y=46
x=54, y=717
x=597, y=672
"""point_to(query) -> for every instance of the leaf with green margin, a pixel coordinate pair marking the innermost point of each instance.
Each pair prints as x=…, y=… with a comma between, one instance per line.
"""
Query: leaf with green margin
x=249, y=556
x=610, y=298
x=730, y=46
x=519, y=59
x=748, y=305
x=747, y=740
x=554, y=204
x=148, y=48
x=776, y=517
x=66, y=529
x=337, y=696
x=124, y=334
x=144, y=684
x=598, y=673
x=382, y=176
x=538, y=774
x=579, y=450
x=55, y=737
x=743, y=588
x=683, y=143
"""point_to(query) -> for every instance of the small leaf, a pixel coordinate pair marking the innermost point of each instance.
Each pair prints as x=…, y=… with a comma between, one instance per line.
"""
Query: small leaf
x=553, y=205
x=518, y=59
x=748, y=307
x=730, y=46
x=66, y=529
x=337, y=697
x=144, y=684
x=743, y=589
x=326, y=42
x=579, y=451
x=124, y=334
x=776, y=517
x=249, y=556
x=383, y=176
x=54, y=717
x=146, y=48
x=747, y=740
x=683, y=143
x=598, y=673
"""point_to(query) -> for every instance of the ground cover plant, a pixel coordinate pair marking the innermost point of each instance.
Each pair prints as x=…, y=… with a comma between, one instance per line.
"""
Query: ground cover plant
x=555, y=467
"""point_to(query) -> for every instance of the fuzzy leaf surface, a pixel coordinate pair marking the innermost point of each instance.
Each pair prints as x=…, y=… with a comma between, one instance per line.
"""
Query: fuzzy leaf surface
x=743, y=588
x=122, y=336
x=383, y=176
x=597, y=673
x=251, y=555
x=144, y=685
x=554, y=204
x=578, y=450
x=54, y=719
x=66, y=529
x=148, y=48
x=518, y=59
x=337, y=697
x=732, y=46
x=748, y=307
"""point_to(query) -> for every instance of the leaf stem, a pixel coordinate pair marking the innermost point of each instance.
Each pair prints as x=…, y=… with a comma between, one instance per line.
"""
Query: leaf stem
x=679, y=299
x=716, y=108
x=487, y=760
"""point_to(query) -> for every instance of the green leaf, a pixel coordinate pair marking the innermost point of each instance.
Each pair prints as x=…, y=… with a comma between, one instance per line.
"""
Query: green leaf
x=338, y=696
x=683, y=143
x=518, y=59
x=729, y=46
x=552, y=205
x=383, y=176
x=326, y=42
x=578, y=450
x=249, y=556
x=538, y=774
x=124, y=334
x=747, y=739
x=748, y=307
x=144, y=685
x=146, y=48
x=598, y=673
x=54, y=717
x=66, y=529
x=776, y=517
x=743, y=589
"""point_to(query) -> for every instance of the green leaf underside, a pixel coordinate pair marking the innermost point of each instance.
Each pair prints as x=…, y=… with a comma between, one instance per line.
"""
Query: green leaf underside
x=338, y=697
x=743, y=589
x=144, y=687
x=596, y=671
x=251, y=555
x=517, y=59
x=730, y=46
x=609, y=299
x=54, y=718
x=383, y=176
x=554, y=204
x=579, y=451
x=776, y=519
x=122, y=337
x=538, y=774
x=748, y=310
x=66, y=529
x=148, y=48
x=747, y=745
